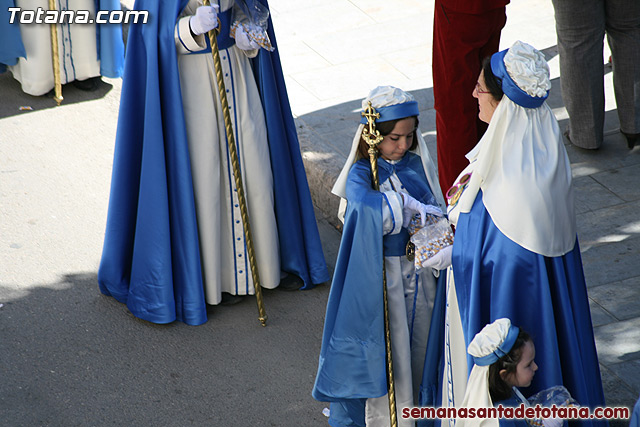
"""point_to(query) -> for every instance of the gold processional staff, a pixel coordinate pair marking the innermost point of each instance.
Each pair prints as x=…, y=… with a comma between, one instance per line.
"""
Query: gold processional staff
x=57, y=83
x=262, y=316
x=372, y=137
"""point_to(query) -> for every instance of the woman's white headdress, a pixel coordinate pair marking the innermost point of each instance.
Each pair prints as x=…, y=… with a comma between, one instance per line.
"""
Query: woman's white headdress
x=493, y=342
x=391, y=103
x=520, y=164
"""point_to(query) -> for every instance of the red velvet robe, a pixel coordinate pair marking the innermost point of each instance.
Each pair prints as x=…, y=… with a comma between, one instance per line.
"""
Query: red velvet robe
x=464, y=33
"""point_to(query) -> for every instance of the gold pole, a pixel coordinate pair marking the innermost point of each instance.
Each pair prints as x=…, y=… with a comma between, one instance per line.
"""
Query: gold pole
x=57, y=85
x=373, y=138
x=262, y=316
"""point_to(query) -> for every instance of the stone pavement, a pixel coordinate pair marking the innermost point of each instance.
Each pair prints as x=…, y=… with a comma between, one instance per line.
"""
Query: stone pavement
x=334, y=52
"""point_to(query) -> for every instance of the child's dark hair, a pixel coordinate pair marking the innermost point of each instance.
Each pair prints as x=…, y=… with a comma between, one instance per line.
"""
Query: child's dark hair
x=498, y=387
x=493, y=83
x=385, y=129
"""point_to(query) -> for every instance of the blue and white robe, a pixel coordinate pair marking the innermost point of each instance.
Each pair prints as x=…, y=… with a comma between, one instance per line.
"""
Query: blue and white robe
x=174, y=238
x=84, y=50
x=223, y=248
x=352, y=368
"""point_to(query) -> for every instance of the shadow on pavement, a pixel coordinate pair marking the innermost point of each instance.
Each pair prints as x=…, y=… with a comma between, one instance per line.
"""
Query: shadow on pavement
x=14, y=100
x=72, y=356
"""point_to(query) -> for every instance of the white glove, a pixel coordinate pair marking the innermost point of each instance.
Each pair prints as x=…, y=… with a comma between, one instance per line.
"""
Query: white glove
x=411, y=207
x=441, y=260
x=243, y=41
x=205, y=19
x=553, y=422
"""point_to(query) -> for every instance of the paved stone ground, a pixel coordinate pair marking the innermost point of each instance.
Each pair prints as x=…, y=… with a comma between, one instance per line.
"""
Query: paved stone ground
x=60, y=337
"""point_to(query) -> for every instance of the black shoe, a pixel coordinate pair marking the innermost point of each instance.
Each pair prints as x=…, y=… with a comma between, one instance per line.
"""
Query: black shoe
x=632, y=138
x=88, y=85
x=290, y=283
x=229, y=299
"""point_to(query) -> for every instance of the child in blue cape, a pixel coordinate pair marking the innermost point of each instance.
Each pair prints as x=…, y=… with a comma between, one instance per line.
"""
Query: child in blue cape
x=352, y=365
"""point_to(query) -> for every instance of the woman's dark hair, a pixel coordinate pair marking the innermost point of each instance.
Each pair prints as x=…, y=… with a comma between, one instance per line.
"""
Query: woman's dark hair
x=493, y=83
x=385, y=129
x=498, y=387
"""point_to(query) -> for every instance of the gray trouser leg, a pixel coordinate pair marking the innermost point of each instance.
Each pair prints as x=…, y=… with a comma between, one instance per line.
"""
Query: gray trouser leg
x=580, y=25
x=623, y=34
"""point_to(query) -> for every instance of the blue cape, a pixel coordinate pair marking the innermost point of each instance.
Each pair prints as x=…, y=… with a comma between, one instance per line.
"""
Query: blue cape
x=11, y=47
x=352, y=362
x=109, y=41
x=431, y=385
x=151, y=256
x=300, y=247
x=547, y=297
x=634, y=421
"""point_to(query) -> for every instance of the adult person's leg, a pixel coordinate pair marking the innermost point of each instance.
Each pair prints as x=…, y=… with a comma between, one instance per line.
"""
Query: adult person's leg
x=580, y=25
x=623, y=34
x=460, y=43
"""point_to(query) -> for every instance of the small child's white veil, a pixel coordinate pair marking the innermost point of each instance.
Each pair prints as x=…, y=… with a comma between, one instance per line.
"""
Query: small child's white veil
x=385, y=96
x=487, y=347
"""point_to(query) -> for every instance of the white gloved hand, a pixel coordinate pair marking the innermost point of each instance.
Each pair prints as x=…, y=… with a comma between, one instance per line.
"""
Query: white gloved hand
x=243, y=41
x=553, y=422
x=441, y=260
x=411, y=207
x=205, y=19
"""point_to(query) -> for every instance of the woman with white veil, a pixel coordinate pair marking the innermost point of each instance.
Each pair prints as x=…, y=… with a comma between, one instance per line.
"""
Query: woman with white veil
x=516, y=253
